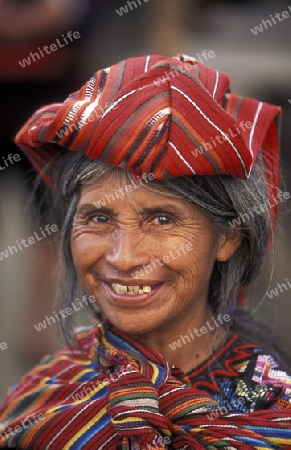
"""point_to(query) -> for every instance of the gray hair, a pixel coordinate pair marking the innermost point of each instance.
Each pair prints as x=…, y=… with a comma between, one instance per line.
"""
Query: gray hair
x=220, y=198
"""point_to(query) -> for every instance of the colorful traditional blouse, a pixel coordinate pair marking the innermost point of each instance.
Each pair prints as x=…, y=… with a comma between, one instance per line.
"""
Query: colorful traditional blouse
x=113, y=393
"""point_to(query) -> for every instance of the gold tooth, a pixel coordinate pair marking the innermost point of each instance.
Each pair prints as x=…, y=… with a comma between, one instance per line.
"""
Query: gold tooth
x=147, y=289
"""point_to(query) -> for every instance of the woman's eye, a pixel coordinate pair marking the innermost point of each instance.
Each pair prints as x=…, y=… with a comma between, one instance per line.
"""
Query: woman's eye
x=162, y=220
x=99, y=218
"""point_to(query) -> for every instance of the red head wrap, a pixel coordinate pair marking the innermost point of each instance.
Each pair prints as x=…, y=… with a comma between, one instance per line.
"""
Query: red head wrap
x=168, y=116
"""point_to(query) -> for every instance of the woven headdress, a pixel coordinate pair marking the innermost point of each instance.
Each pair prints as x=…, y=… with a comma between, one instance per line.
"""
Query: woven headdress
x=168, y=116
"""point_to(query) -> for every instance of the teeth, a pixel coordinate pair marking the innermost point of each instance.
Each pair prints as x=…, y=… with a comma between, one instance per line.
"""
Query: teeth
x=121, y=289
x=133, y=290
x=147, y=289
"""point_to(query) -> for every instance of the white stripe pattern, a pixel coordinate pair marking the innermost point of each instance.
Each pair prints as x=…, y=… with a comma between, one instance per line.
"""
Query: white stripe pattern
x=69, y=423
x=182, y=157
x=216, y=84
x=214, y=126
x=116, y=103
x=253, y=127
x=77, y=105
x=147, y=63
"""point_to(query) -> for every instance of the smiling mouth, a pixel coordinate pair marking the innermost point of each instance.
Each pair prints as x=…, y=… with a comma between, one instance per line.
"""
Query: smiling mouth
x=131, y=290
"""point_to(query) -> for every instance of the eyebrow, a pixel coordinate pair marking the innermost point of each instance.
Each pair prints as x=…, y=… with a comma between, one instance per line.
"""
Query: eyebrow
x=163, y=208
x=89, y=208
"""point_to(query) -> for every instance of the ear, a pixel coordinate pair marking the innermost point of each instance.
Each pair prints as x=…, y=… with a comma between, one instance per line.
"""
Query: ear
x=228, y=244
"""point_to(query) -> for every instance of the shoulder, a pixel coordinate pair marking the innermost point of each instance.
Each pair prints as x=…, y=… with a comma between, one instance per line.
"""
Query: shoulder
x=60, y=367
x=75, y=355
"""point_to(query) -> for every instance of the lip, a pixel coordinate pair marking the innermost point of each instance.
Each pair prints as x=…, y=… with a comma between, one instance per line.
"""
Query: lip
x=131, y=300
x=132, y=282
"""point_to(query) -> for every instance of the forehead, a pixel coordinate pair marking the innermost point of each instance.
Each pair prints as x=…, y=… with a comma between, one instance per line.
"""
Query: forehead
x=112, y=190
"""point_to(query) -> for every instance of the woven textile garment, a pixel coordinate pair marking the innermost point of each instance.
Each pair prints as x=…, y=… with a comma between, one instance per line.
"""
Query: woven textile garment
x=116, y=394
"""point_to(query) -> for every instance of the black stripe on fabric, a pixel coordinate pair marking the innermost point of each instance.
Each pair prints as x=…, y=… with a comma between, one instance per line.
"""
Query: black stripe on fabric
x=123, y=128
x=103, y=80
x=225, y=100
x=158, y=136
x=143, y=133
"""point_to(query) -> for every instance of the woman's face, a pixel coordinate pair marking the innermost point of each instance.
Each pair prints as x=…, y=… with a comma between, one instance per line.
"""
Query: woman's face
x=146, y=257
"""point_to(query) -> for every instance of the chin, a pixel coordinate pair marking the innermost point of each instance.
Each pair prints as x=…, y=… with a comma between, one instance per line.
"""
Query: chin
x=133, y=327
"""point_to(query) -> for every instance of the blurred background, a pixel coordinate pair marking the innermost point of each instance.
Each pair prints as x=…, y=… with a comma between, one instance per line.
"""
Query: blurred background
x=257, y=61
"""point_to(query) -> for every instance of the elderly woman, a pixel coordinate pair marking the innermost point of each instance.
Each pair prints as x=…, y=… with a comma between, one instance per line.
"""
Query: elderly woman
x=165, y=187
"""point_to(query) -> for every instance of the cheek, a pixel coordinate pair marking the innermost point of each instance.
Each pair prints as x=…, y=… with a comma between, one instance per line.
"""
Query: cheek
x=86, y=251
x=196, y=265
x=200, y=250
x=85, y=254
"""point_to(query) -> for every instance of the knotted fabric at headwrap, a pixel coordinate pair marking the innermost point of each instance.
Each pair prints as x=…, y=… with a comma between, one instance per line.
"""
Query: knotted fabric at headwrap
x=168, y=116
x=125, y=397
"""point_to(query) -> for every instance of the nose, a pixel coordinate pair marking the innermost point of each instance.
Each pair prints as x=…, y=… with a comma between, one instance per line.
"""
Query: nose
x=128, y=250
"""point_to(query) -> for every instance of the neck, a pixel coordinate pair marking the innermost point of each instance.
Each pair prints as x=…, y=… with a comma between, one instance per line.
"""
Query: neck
x=191, y=354
x=187, y=345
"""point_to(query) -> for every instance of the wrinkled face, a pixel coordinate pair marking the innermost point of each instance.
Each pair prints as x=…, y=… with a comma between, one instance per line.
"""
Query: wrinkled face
x=147, y=257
